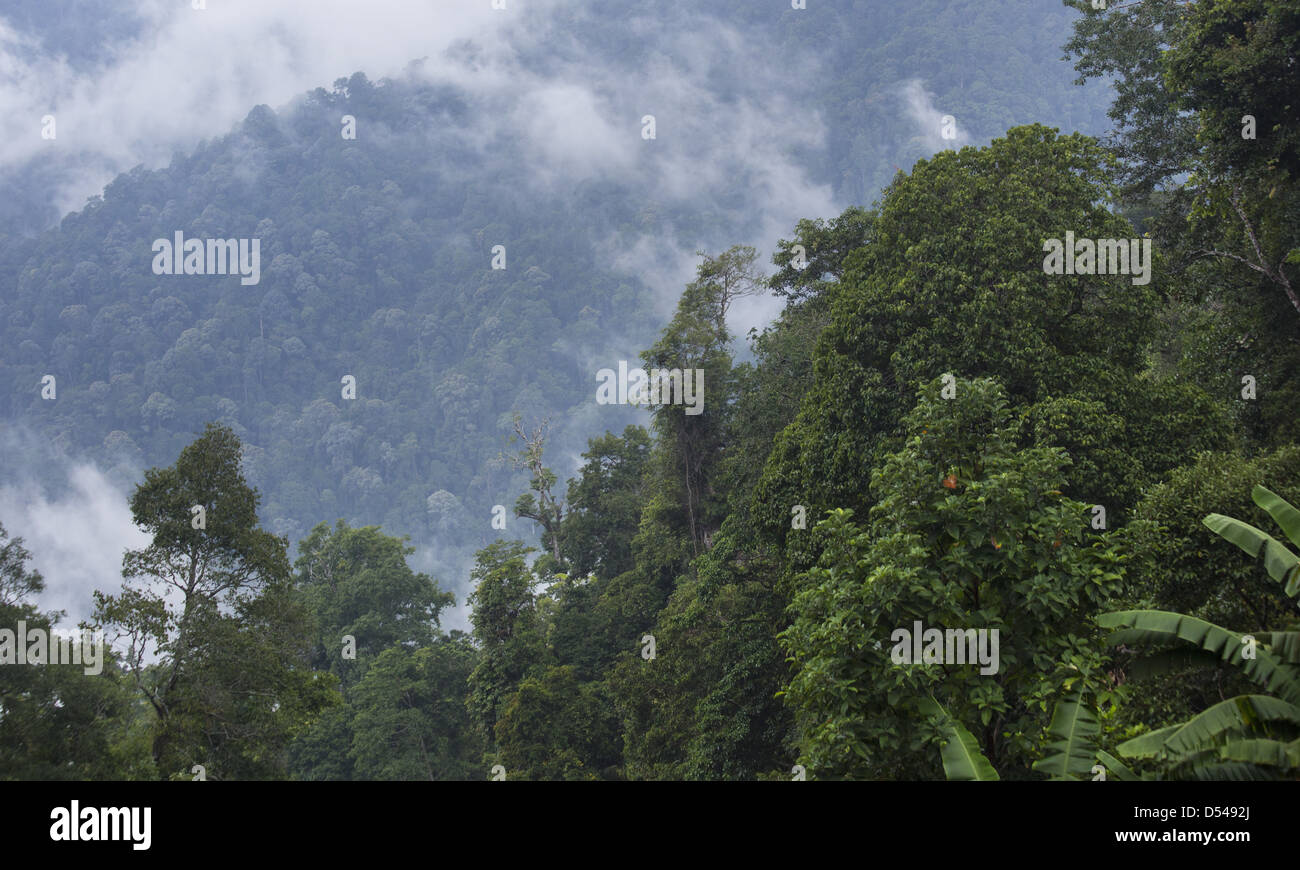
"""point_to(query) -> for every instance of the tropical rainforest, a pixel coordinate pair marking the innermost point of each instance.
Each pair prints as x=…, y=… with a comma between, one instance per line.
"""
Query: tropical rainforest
x=933, y=429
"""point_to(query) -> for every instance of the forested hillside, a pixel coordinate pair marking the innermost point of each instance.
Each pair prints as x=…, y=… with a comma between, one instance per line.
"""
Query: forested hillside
x=378, y=252
x=1087, y=460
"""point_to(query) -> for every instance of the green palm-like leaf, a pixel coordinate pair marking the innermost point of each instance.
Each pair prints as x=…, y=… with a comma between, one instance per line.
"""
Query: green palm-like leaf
x=1149, y=745
x=1162, y=628
x=1230, y=771
x=962, y=759
x=1282, y=511
x=1074, y=729
x=1116, y=768
x=1271, y=753
x=1235, y=716
x=1282, y=565
x=1242, y=713
x=1285, y=644
x=1236, y=739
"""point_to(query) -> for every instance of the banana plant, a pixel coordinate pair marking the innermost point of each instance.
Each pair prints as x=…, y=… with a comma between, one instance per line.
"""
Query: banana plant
x=1254, y=736
x=1282, y=565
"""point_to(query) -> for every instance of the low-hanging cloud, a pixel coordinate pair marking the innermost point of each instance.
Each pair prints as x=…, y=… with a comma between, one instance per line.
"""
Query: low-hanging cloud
x=931, y=121
x=76, y=536
x=191, y=74
x=732, y=133
x=728, y=119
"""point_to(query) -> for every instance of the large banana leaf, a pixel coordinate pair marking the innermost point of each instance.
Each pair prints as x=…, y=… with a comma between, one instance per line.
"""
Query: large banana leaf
x=1161, y=628
x=1074, y=729
x=1242, y=713
x=1285, y=644
x=962, y=759
x=1204, y=764
x=1116, y=768
x=1282, y=512
x=1149, y=745
x=1235, y=739
x=1272, y=753
x=1235, y=716
x=1231, y=771
x=1282, y=565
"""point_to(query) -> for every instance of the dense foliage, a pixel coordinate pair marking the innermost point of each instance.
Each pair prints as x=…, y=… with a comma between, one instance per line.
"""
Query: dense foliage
x=934, y=433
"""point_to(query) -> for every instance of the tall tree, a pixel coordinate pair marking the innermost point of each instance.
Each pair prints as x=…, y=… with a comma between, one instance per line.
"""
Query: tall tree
x=605, y=504
x=540, y=504
x=215, y=641
x=692, y=439
x=504, y=615
x=953, y=281
x=1205, y=133
x=970, y=533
